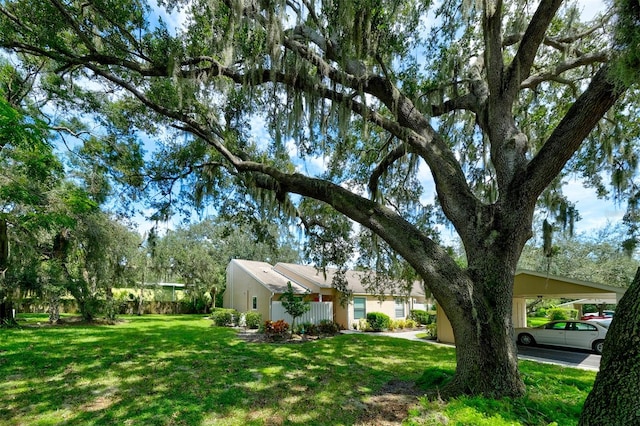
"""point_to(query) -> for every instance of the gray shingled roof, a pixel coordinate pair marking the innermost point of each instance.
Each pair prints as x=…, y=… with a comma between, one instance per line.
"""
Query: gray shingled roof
x=264, y=274
x=354, y=278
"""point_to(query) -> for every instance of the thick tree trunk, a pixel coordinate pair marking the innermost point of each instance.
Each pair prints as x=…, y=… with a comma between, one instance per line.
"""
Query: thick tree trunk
x=614, y=399
x=54, y=309
x=6, y=305
x=486, y=353
x=4, y=247
x=6, y=313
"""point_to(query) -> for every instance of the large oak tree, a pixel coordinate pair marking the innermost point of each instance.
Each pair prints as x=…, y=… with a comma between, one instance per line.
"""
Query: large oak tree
x=498, y=99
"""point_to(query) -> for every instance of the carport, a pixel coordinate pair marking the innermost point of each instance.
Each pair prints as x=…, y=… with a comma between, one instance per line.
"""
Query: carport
x=534, y=285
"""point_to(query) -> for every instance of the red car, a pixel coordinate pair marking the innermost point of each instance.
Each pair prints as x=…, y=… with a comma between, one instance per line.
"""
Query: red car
x=594, y=315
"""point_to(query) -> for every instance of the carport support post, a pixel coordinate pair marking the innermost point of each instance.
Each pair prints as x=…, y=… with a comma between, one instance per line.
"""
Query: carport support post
x=614, y=399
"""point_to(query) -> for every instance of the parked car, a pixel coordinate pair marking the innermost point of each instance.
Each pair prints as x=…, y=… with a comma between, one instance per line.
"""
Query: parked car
x=596, y=315
x=569, y=333
x=605, y=322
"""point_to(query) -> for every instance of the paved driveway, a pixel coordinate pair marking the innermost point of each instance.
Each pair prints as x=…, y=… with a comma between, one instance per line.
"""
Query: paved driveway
x=567, y=357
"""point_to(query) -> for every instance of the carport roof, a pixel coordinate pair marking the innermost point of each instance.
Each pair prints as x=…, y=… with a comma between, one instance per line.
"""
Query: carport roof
x=531, y=285
x=591, y=301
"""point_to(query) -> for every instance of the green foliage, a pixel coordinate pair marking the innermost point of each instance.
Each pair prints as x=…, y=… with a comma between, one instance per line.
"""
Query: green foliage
x=328, y=327
x=253, y=319
x=378, y=321
x=555, y=314
x=225, y=317
x=598, y=257
x=293, y=304
x=551, y=400
x=536, y=321
x=361, y=86
x=410, y=323
x=421, y=317
x=627, y=64
x=397, y=324
x=307, y=328
x=111, y=308
x=431, y=330
x=198, y=254
x=362, y=324
x=541, y=312
x=434, y=378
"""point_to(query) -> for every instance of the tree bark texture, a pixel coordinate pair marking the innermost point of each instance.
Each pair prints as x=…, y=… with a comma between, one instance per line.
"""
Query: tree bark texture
x=486, y=354
x=6, y=306
x=6, y=313
x=615, y=398
x=4, y=247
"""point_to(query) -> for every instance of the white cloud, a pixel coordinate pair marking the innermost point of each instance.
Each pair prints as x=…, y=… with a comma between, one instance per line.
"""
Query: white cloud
x=175, y=20
x=596, y=213
x=590, y=8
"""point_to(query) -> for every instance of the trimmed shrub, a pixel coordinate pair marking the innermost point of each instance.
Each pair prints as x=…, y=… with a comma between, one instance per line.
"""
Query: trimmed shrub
x=225, y=317
x=420, y=316
x=410, y=323
x=558, y=314
x=431, y=330
x=541, y=312
x=361, y=325
x=378, y=321
x=253, y=319
x=307, y=328
x=328, y=327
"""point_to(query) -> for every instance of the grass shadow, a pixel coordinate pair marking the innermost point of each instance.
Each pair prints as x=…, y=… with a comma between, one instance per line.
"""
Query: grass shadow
x=180, y=370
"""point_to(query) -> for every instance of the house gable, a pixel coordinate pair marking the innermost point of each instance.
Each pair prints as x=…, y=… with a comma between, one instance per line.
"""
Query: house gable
x=265, y=275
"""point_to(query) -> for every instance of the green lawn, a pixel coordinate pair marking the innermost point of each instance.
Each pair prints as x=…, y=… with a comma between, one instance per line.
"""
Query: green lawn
x=170, y=370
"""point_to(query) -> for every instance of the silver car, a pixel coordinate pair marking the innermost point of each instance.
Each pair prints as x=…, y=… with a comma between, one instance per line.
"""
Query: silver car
x=569, y=333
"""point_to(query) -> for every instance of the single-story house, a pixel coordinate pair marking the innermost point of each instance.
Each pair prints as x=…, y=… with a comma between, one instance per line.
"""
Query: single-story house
x=257, y=286
x=538, y=285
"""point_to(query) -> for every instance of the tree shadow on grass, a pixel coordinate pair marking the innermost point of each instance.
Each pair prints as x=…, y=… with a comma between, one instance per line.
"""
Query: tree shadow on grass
x=185, y=372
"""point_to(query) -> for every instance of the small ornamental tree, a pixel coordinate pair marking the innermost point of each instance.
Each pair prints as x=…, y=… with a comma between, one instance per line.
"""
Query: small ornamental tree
x=294, y=304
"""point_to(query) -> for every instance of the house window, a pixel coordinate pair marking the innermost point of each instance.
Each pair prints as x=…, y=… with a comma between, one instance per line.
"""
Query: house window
x=399, y=308
x=254, y=302
x=359, y=307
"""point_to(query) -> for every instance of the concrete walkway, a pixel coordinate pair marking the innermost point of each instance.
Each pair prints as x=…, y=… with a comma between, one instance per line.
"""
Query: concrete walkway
x=409, y=335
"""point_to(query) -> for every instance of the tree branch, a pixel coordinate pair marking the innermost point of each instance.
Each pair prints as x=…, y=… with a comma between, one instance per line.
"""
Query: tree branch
x=74, y=25
x=535, y=80
x=520, y=67
x=468, y=102
x=562, y=44
x=392, y=156
x=492, y=26
x=567, y=137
